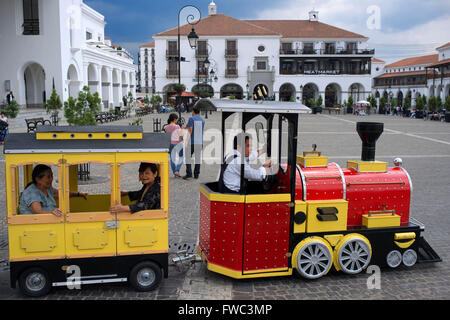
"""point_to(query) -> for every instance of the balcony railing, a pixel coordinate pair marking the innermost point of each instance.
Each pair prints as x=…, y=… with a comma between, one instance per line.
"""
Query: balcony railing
x=201, y=53
x=325, y=72
x=172, y=53
x=231, y=73
x=231, y=53
x=328, y=51
x=30, y=27
x=172, y=74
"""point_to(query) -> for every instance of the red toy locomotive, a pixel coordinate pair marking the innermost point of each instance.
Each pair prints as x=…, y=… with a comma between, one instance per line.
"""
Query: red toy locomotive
x=314, y=215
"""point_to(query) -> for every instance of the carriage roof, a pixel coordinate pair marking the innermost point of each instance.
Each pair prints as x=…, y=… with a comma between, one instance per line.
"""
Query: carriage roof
x=85, y=139
x=253, y=106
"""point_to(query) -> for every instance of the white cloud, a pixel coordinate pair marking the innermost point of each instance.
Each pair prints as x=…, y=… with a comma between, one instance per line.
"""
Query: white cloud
x=405, y=30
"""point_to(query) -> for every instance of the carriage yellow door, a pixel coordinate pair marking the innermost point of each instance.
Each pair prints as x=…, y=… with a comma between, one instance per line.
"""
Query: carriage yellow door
x=32, y=237
x=90, y=228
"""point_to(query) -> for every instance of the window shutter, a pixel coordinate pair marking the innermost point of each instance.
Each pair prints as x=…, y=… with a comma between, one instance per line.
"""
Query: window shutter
x=30, y=17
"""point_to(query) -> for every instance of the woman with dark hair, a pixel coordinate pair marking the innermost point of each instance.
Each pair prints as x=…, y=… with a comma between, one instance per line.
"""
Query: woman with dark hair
x=176, y=143
x=149, y=197
x=39, y=195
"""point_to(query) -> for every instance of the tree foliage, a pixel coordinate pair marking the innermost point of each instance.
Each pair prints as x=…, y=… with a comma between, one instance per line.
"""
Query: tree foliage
x=82, y=110
x=12, y=110
x=53, y=103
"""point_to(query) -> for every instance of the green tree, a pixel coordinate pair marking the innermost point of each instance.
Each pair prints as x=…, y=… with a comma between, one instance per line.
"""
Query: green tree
x=156, y=100
x=447, y=103
x=438, y=102
x=373, y=103
x=350, y=102
x=383, y=102
x=432, y=103
x=319, y=101
x=54, y=103
x=82, y=110
x=420, y=103
x=311, y=103
x=12, y=110
x=407, y=103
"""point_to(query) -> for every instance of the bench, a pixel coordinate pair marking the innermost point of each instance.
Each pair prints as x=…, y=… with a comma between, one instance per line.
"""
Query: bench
x=34, y=122
x=335, y=110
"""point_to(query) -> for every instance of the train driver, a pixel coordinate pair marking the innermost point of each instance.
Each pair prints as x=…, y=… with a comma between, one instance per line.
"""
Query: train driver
x=230, y=175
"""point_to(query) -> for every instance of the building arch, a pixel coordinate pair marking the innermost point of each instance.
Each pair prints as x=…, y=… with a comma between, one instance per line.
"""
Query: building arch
x=333, y=95
x=310, y=91
x=73, y=81
x=33, y=75
x=232, y=89
x=203, y=90
x=357, y=91
x=287, y=92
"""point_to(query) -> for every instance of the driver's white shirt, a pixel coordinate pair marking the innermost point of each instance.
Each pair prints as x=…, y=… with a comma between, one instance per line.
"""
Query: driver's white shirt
x=232, y=175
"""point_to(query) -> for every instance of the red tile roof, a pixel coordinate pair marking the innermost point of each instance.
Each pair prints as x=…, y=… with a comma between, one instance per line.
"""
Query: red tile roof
x=148, y=45
x=414, y=61
x=440, y=63
x=444, y=46
x=305, y=29
x=405, y=74
x=220, y=25
x=376, y=60
x=223, y=25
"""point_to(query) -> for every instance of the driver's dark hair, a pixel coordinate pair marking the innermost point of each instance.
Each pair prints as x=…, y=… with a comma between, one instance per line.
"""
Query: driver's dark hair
x=240, y=138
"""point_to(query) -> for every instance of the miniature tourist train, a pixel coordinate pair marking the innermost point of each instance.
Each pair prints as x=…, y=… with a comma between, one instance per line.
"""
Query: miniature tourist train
x=309, y=217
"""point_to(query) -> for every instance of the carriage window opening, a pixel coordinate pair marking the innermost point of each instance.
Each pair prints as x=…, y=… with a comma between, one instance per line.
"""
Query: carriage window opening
x=89, y=187
x=36, y=183
x=140, y=186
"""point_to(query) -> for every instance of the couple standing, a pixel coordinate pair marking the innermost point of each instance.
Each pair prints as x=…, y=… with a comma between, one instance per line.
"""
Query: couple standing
x=195, y=128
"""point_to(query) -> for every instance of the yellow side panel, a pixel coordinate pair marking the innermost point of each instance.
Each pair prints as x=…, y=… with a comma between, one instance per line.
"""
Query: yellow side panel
x=94, y=203
x=29, y=242
x=313, y=224
x=312, y=161
x=88, y=136
x=368, y=166
x=300, y=206
x=142, y=236
x=90, y=239
x=381, y=221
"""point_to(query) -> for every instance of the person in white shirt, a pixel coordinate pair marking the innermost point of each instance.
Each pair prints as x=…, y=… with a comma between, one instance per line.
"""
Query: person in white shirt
x=230, y=177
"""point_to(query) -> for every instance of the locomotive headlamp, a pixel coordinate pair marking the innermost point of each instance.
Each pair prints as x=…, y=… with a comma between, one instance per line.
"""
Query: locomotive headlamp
x=398, y=162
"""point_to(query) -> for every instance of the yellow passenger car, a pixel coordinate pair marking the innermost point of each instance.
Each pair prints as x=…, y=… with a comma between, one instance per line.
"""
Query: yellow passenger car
x=87, y=243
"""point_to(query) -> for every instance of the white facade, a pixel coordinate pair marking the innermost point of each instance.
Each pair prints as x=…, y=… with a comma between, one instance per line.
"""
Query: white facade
x=59, y=54
x=258, y=68
x=417, y=76
x=146, y=74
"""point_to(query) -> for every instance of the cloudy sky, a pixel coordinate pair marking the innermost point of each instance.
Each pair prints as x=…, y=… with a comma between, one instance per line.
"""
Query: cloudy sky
x=397, y=28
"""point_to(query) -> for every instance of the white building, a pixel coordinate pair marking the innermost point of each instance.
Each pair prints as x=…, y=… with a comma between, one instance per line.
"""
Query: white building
x=146, y=74
x=62, y=44
x=285, y=59
x=424, y=75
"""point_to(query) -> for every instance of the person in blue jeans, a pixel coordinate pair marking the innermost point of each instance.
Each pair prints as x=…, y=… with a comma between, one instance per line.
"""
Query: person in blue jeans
x=195, y=128
x=176, y=144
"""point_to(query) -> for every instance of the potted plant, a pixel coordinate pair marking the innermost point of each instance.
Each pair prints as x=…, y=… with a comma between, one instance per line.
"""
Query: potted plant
x=350, y=103
x=420, y=105
x=53, y=105
x=373, y=104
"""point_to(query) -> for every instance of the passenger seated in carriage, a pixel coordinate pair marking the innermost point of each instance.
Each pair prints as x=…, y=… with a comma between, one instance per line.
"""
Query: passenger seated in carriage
x=230, y=175
x=149, y=197
x=39, y=195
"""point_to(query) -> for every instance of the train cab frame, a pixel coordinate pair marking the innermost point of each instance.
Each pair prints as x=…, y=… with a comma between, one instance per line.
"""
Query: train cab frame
x=315, y=215
x=87, y=244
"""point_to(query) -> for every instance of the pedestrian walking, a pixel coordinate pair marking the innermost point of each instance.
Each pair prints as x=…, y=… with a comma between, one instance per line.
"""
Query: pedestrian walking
x=195, y=128
x=10, y=97
x=176, y=144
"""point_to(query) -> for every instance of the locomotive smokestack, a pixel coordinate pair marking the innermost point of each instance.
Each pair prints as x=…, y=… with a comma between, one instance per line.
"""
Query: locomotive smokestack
x=369, y=132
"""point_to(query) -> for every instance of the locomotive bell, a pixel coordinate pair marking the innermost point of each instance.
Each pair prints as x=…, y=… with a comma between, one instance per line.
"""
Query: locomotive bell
x=369, y=132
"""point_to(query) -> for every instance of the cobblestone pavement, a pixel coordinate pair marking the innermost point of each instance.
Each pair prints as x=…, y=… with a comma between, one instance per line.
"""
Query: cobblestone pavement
x=425, y=149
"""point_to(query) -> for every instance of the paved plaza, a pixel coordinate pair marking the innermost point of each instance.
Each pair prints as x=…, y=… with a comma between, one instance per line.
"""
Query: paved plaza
x=424, y=147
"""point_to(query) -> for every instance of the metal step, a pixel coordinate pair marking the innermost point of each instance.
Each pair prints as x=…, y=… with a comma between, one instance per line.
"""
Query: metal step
x=426, y=254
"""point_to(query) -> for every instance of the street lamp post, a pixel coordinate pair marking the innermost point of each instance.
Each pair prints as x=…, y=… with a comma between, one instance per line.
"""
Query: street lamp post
x=192, y=38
